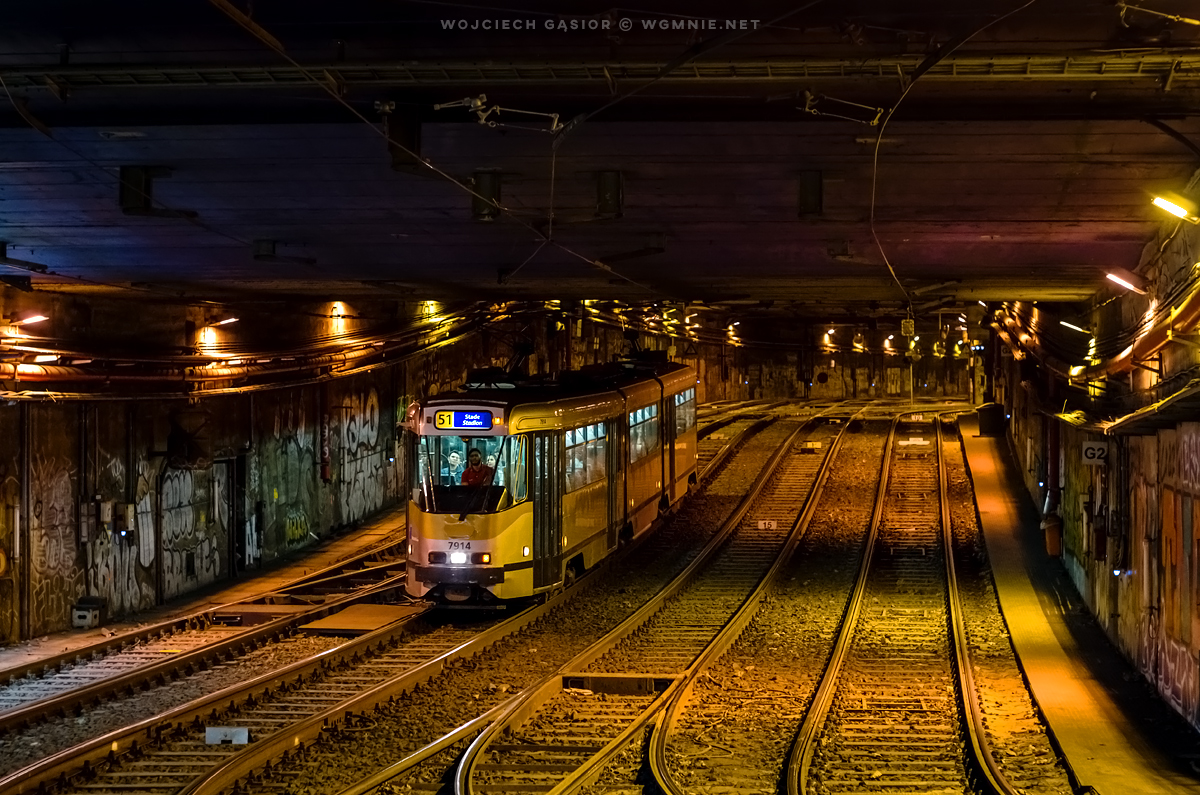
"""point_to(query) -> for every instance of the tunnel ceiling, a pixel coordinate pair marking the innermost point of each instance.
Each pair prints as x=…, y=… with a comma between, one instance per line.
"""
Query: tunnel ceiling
x=1017, y=164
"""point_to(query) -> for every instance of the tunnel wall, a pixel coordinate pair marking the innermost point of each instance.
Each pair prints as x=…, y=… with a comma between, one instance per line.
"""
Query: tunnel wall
x=277, y=471
x=265, y=483
x=1130, y=537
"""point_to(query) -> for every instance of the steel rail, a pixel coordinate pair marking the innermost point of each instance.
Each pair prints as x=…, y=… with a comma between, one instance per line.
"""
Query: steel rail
x=673, y=709
x=800, y=758
x=532, y=698
x=192, y=620
x=76, y=699
x=106, y=750
x=284, y=743
x=472, y=727
x=715, y=463
x=989, y=778
x=996, y=781
x=160, y=673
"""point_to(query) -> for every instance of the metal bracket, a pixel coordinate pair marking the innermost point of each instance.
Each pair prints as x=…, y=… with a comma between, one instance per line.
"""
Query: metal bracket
x=478, y=106
x=1184, y=339
x=1142, y=366
x=813, y=101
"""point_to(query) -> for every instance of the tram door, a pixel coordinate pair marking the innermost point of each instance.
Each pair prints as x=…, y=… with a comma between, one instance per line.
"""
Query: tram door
x=614, y=457
x=547, y=508
x=667, y=430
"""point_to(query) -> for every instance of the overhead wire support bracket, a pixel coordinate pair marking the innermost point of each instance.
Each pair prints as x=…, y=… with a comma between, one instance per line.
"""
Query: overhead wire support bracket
x=478, y=106
x=813, y=101
x=1173, y=17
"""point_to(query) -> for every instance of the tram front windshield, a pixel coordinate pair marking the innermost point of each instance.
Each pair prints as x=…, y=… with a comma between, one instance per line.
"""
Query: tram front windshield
x=443, y=483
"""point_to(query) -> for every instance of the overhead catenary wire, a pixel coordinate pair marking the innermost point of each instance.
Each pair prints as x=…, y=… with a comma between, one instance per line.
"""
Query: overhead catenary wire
x=684, y=58
x=271, y=42
x=37, y=125
x=923, y=67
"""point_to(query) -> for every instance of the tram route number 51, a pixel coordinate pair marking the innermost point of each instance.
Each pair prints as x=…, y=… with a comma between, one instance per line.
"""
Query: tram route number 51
x=1095, y=453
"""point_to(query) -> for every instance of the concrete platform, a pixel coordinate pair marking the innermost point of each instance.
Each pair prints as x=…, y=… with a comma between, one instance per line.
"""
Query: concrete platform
x=278, y=574
x=1117, y=735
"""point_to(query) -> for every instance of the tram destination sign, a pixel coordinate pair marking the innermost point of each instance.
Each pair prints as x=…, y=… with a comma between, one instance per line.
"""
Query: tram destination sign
x=463, y=420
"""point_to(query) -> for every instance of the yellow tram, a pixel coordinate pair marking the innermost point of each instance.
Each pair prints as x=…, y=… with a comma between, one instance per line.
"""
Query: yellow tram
x=517, y=489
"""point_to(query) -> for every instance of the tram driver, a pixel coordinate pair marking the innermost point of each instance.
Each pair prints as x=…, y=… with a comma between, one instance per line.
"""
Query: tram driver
x=476, y=473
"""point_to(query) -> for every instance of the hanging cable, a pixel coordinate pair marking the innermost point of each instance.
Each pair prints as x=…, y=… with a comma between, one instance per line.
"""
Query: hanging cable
x=923, y=67
x=271, y=42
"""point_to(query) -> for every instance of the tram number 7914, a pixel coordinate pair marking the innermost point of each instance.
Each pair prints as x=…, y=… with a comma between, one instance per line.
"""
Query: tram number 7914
x=460, y=545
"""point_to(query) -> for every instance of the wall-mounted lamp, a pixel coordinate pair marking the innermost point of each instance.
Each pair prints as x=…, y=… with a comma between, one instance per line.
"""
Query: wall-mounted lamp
x=1178, y=206
x=27, y=320
x=1128, y=280
x=226, y=321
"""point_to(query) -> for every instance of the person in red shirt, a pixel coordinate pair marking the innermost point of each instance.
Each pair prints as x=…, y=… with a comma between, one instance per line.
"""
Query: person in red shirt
x=476, y=473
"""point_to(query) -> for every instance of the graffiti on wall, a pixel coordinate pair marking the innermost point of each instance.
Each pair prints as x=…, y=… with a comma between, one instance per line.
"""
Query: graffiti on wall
x=286, y=471
x=118, y=577
x=367, y=476
x=192, y=545
x=1169, y=664
x=120, y=568
x=1187, y=454
x=296, y=527
x=56, y=578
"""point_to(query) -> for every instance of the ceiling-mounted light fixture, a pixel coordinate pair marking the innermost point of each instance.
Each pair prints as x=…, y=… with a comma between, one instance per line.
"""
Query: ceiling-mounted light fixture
x=1128, y=280
x=226, y=321
x=1178, y=206
x=27, y=320
x=1073, y=327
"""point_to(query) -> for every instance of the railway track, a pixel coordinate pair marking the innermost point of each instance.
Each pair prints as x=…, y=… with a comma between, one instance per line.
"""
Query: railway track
x=732, y=730
x=896, y=709
x=715, y=441
x=66, y=685
x=560, y=734
x=169, y=752
x=645, y=569
x=176, y=751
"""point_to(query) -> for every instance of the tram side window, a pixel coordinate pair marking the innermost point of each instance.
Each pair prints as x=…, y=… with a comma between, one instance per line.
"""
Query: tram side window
x=586, y=447
x=643, y=432
x=685, y=410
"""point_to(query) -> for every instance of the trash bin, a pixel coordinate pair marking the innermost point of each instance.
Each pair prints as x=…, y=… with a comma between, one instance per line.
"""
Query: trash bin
x=991, y=419
x=1052, y=526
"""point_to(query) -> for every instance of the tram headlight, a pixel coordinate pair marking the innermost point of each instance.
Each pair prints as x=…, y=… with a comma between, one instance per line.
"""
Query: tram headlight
x=458, y=557
x=525, y=552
